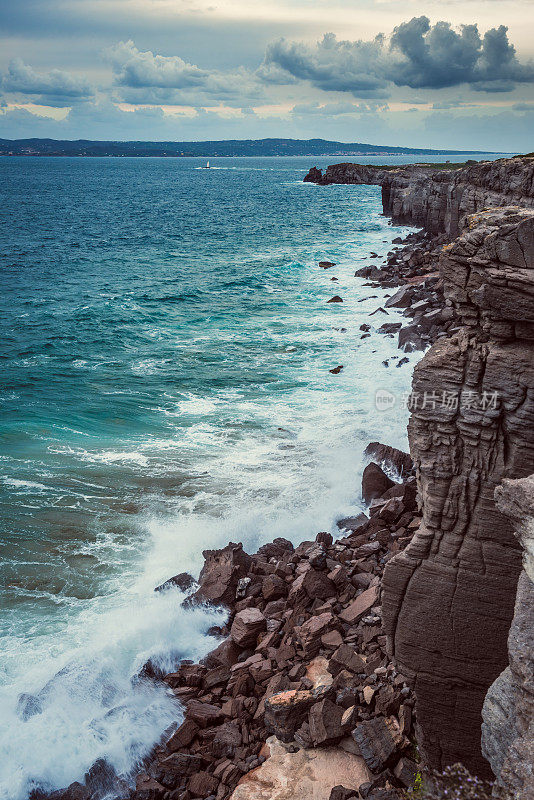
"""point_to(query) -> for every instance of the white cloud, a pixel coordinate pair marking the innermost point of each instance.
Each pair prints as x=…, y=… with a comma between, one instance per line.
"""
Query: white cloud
x=145, y=77
x=52, y=88
x=417, y=54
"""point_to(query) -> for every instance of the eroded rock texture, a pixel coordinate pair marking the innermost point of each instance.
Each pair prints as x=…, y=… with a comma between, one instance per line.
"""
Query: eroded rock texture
x=449, y=597
x=440, y=200
x=508, y=712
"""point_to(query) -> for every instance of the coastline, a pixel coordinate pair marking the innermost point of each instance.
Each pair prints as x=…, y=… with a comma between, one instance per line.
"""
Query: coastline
x=384, y=695
x=304, y=674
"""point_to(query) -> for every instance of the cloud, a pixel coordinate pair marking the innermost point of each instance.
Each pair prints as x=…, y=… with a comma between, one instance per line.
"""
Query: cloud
x=145, y=77
x=417, y=54
x=437, y=56
x=336, y=109
x=54, y=88
x=331, y=65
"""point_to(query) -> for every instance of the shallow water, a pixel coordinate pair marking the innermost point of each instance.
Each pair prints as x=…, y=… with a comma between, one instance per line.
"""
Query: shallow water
x=166, y=346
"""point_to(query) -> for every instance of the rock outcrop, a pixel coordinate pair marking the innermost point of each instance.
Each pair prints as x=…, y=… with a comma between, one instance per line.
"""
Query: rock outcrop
x=508, y=712
x=449, y=597
x=300, y=698
x=440, y=200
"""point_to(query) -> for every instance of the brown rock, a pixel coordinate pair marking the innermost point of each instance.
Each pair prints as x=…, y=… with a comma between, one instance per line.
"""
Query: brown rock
x=172, y=768
x=227, y=738
x=183, y=736
x=304, y=775
x=360, y=606
x=325, y=722
x=221, y=573
x=352, y=523
x=342, y=793
x=202, y=784
x=347, y=658
x=184, y=582
x=405, y=772
x=378, y=739
x=331, y=639
x=247, y=626
x=390, y=458
x=317, y=584
x=146, y=788
x=278, y=548
x=286, y=711
x=374, y=482
x=273, y=588
x=308, y=635
x=203, y=714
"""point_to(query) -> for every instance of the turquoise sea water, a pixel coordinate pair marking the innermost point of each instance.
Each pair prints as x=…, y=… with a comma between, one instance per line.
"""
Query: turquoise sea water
x=165, y=354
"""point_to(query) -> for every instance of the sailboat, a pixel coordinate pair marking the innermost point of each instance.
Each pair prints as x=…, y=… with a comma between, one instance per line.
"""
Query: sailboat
x=207, y=166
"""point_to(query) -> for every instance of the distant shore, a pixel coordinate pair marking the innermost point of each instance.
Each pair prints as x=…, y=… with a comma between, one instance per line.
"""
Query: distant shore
x=233, y=148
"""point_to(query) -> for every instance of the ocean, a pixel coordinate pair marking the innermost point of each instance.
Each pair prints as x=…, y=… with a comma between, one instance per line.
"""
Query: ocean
x=166, y=345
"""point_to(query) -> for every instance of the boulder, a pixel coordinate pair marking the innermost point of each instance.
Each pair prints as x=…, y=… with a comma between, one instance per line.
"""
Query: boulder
x=203, y=714
x=278, y=548
x=221, y=574
x=286, y=711
x=378, y=740
x=183, y=736
x=247, y=626
x=360, y=606
x=202, y=784
x=308, y=774
x=374, y=482
x=309, y=634
x=317, y=584
x=342, y=793
x=402, y=298
x=352, y=523
x=183, y=581
x=324, y=721
x=273, y=587
x=146, y=788
x=390, y=458
x=410, y=339
x=346, y=657
x=335, y=299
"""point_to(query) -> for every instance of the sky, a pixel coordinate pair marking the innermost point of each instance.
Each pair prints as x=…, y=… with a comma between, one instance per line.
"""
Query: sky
x=455, y=74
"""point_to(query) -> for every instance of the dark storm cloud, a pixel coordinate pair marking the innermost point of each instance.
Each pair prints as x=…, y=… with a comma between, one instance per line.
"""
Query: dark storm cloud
x=417, y=54
x=331, y=65
x=53, y=88
x=437, y=56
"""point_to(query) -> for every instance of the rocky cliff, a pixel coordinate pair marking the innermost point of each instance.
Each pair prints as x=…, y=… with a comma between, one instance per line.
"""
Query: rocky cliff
x=508, y=712
x=449, y=598
x=440, y=199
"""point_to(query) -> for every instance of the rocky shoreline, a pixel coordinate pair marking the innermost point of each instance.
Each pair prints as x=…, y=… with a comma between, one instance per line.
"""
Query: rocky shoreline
x=347, y=665
x=302, y=666
x=300, y=691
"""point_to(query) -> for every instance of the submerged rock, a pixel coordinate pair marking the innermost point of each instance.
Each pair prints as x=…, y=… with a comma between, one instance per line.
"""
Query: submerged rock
x=183, y=581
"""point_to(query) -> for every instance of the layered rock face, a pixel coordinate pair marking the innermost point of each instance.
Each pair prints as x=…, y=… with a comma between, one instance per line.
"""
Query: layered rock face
x=440, y=200
x=508, y=712
x=449, y=597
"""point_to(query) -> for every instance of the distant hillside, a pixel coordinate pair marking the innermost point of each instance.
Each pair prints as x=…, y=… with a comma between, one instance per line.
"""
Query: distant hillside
x=230, y=147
